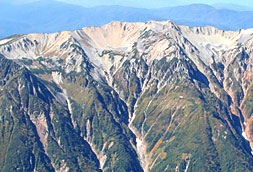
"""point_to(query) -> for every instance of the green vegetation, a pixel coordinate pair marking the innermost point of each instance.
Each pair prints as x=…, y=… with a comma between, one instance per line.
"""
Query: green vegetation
x=26, y=61
x=102, y=119
x=82, y=124
x=247, y=105
x=30, y=143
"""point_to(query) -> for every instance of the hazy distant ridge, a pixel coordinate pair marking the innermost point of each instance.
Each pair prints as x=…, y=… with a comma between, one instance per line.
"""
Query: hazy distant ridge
x=56, y=16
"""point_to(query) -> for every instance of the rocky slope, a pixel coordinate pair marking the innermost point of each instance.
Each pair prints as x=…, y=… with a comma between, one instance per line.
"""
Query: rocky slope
x=151, y=96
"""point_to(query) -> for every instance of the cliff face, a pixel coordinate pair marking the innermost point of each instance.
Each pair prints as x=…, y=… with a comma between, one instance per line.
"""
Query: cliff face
x=151, y=96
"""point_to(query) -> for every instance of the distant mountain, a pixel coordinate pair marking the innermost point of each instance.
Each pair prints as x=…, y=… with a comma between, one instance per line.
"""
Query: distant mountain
x=52, y=16
x=127, y=97
x=128, y=3
x=233, y=7
x=57, y=16
x=205, y=15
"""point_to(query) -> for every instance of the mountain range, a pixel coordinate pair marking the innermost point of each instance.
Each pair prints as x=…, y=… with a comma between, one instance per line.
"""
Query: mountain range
x=153, y=96
x=53, y=16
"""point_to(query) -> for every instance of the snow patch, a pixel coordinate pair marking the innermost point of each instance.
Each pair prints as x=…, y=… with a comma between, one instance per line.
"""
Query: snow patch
x=67, y=99
x=102, y=161
x=140, y=151
x=140, y=147
x=244, y=135
x=61, y=98
x=96, y=75
x=188, y=164
x=57, y=77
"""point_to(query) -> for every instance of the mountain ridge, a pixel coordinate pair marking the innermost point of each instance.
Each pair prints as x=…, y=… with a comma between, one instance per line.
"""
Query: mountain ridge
x=49, y=17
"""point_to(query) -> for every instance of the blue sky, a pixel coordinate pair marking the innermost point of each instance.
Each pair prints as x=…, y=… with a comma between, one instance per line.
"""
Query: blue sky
x=144, y=3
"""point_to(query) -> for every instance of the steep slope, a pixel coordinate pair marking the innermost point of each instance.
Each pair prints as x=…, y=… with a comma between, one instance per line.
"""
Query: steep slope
x=151, y=96
x=38, y=122
x=36, y=128
x=83, y=136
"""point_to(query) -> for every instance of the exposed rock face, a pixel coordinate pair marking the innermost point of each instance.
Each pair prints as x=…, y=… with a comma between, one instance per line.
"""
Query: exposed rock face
x=151, y=96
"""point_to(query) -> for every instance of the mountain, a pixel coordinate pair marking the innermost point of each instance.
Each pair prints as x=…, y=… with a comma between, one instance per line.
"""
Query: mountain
x=234, y=7
x=52, y=16
x=152, y=96
x=205, y=15
x=139, y=3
